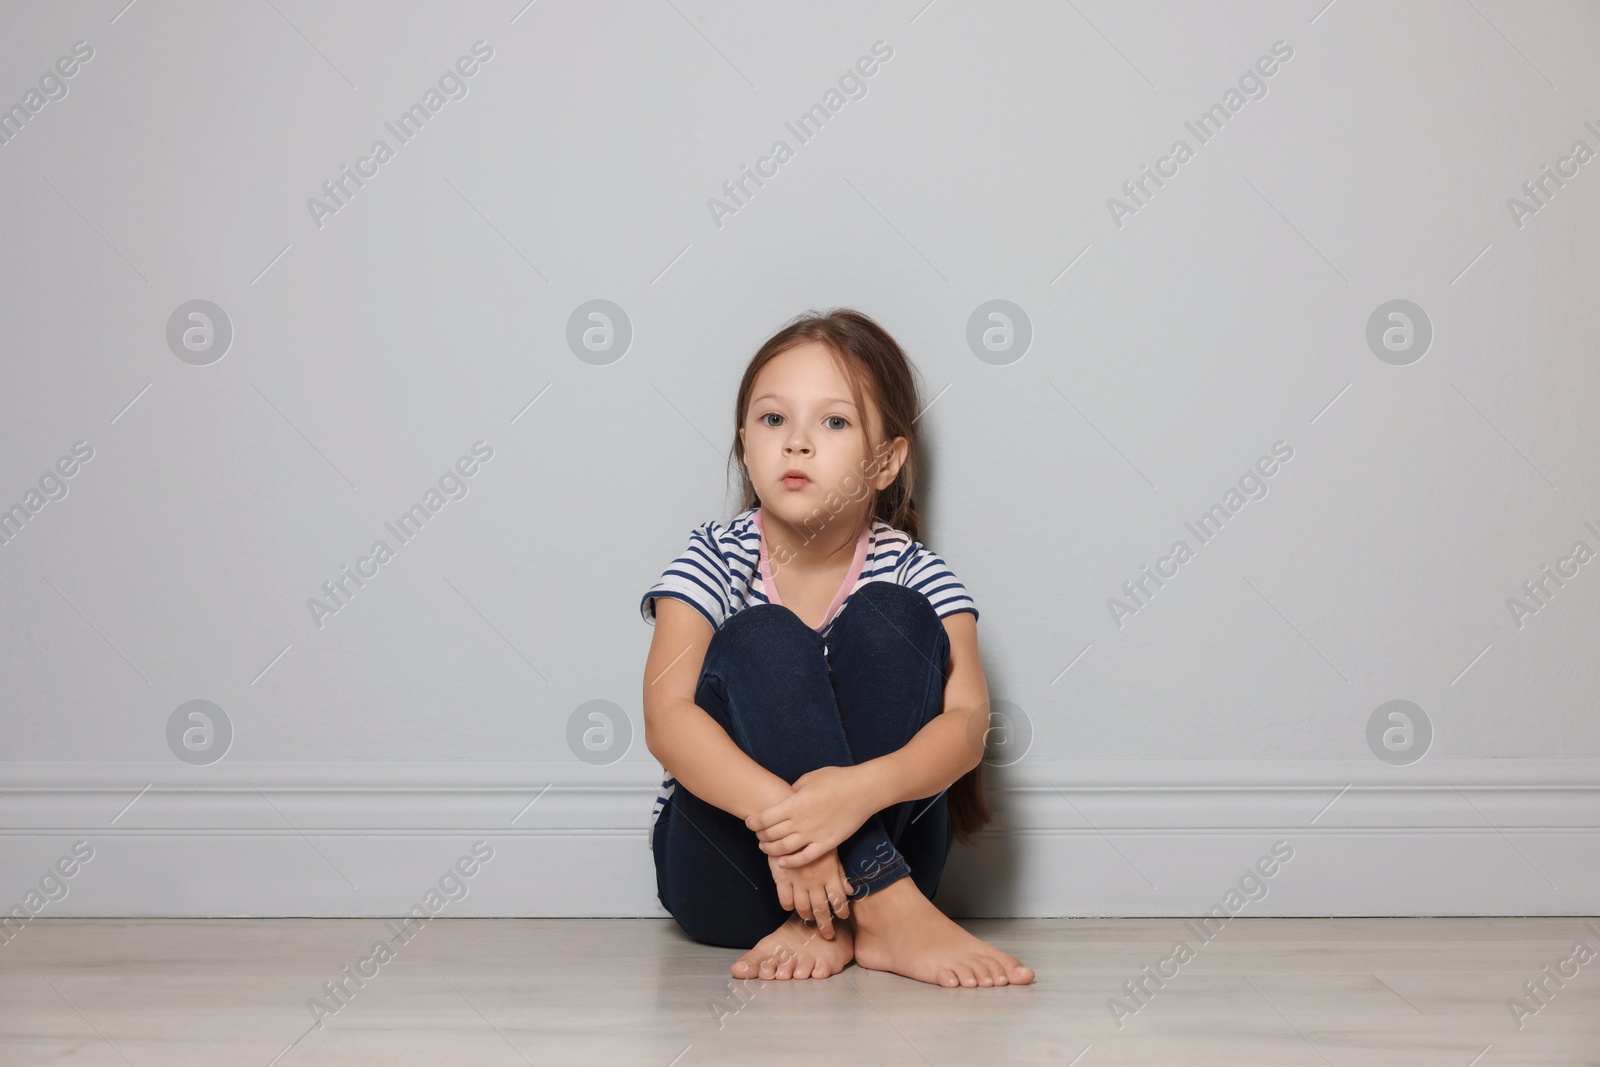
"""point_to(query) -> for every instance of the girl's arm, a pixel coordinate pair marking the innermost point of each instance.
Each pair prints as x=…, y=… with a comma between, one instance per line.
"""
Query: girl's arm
x=952, y=743
x=691, y=745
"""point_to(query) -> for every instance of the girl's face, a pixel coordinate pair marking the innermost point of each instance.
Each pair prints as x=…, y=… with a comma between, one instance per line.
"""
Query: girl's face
x=801, y=418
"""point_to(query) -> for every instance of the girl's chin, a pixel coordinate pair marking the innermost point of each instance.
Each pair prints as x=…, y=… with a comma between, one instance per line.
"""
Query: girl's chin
x=791, y=511
x=806, y=509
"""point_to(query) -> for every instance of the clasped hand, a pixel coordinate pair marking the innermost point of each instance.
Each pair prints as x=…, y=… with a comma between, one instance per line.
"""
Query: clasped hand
x=816, y=891
x=827, y=806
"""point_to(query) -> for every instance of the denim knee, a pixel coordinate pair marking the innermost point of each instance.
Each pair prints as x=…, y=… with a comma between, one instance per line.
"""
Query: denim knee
x=893, y=603
x=763, y=627
x=894, y=614
x=895, y=593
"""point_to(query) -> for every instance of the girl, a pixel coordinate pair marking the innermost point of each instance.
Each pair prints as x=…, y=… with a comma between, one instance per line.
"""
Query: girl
x=813, y=686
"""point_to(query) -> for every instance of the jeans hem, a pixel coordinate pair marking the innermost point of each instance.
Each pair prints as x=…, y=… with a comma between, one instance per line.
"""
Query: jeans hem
x=881, y=879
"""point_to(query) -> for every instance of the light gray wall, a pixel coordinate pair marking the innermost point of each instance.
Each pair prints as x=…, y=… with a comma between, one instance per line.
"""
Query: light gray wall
x=1148, y=762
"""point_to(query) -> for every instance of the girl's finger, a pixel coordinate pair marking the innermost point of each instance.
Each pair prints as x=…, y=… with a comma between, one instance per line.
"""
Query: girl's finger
x=819, y=908
x=775, y=848
x=801, y=858
x=839, y=900
x=766, y=817
x=787, y=845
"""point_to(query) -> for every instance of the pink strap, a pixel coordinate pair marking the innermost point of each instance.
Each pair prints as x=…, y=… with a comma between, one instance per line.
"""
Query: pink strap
x=857, y=565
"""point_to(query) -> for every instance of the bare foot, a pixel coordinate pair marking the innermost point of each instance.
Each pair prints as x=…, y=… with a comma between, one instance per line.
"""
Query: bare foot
x=795, y=950
x=898, y=929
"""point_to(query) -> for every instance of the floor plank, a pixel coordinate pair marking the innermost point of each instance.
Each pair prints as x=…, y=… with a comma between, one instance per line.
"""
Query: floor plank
x=1320, y=992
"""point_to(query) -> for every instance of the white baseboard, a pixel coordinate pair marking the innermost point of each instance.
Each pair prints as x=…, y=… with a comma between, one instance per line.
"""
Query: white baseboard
x=1071, y=838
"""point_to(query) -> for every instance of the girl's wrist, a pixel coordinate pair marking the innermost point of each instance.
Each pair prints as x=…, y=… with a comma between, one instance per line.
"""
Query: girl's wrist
x=771, y=794
x=877, y=785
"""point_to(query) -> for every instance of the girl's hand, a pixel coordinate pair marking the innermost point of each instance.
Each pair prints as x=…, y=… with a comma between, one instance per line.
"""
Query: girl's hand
x=815, y=891
x=827, y=806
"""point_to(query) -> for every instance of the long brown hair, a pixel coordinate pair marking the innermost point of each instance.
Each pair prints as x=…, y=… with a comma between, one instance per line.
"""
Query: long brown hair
x=876, y=367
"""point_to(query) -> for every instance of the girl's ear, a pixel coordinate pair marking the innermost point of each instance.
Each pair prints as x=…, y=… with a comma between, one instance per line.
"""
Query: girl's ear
x=893, y=455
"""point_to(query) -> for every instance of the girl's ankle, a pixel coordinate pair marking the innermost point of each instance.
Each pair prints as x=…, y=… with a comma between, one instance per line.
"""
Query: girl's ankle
x=896, y=896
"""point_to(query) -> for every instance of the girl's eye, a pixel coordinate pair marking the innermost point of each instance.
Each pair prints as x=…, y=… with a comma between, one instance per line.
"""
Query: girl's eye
x=770, y=415
x=840, y=418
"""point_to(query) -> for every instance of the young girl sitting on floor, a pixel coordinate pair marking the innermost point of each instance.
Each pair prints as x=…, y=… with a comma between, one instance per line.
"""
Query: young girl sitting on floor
x=813, y=689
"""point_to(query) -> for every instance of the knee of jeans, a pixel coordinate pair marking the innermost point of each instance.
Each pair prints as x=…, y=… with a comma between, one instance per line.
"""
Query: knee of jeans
x=898, y=612
x=761, y=625
x=897, y=601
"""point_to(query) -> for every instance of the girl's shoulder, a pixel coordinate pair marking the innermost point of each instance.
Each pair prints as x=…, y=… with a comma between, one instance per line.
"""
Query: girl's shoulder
x=714, y=572
x=736, y=542
x=906, y=561
x=738, y=534
x=893, y=547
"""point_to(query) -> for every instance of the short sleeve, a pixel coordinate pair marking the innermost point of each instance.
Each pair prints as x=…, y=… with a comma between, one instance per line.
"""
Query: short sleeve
x=929, y=575
x=698, y=577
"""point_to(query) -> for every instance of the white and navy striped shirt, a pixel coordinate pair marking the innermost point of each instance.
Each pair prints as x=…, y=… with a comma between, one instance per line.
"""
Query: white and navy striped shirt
x=720, y=575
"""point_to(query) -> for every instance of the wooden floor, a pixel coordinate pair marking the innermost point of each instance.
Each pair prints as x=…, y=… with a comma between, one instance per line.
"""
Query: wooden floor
x=487, y=992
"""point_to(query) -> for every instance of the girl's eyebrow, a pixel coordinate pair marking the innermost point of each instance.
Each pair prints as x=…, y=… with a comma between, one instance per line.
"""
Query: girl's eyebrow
x=825, y=400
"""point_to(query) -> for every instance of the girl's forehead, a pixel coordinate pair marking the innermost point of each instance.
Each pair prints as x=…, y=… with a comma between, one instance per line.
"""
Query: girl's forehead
x=809, y=366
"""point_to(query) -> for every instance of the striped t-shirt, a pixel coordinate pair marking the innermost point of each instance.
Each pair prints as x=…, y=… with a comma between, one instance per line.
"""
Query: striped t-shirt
x=719, y=574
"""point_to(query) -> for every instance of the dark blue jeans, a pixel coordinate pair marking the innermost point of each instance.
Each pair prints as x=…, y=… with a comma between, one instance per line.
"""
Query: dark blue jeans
x=793, y=703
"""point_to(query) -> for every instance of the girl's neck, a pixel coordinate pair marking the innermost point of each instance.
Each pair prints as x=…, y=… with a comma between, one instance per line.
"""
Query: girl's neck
x=812, y=548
